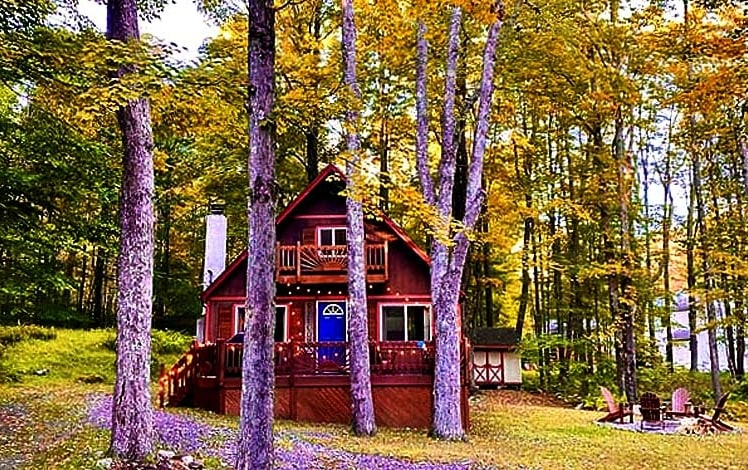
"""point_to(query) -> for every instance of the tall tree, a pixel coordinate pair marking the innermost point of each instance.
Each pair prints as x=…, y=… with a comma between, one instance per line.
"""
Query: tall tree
x=132, y=417
x=362, y=403
x=449, y=250
x=255, y=447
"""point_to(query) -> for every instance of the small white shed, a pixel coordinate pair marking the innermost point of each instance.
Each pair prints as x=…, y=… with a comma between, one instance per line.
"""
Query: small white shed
x=496, y=361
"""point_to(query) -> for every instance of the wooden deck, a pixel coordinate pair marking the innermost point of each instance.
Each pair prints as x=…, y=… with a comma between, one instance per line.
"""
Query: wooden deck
x=312, y=381
x=318, y=264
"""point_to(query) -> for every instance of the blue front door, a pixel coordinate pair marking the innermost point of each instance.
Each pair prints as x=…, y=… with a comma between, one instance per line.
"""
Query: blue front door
x=331, y=321
x=331, y=327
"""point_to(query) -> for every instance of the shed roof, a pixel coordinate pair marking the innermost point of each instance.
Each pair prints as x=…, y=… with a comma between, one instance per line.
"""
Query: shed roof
x=494, y=337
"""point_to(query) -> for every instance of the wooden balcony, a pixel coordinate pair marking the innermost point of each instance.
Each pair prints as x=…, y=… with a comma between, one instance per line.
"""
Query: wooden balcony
x=316, y=264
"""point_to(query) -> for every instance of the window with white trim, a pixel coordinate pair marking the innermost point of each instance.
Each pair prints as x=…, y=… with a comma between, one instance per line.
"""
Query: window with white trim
x=331, y=236
x=405, y=322
x=281, y=321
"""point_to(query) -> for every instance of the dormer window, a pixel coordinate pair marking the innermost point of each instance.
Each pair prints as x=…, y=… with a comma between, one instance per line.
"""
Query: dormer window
x=331, y=236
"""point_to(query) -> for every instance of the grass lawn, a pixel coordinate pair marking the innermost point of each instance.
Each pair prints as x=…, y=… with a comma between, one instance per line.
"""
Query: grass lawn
x=43, y=425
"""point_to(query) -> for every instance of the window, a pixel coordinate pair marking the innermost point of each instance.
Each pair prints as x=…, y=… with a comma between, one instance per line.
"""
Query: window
x=405, y=323
x=332, y=236
x=281, y=326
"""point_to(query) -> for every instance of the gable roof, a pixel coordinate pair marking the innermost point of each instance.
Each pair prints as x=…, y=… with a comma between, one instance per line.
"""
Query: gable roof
x=329, y=170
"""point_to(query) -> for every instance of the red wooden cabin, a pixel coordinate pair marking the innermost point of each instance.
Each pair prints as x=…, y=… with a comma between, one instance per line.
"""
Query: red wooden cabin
x=311, y=354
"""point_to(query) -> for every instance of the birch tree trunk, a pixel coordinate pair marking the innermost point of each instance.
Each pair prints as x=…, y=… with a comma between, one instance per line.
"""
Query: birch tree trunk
x=448, y=259
x=711, y=316
x=132, y=413
x=362, y=403
x=693, y=344
x=628, y=300
x=255, y=446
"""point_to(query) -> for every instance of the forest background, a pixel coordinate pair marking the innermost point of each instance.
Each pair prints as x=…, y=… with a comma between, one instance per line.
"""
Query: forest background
x=616, y=171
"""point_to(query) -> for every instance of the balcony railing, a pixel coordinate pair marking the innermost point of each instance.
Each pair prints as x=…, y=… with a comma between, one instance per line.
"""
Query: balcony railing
x=307, y=264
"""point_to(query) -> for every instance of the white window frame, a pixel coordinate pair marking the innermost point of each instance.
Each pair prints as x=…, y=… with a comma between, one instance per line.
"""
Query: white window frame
x=237, y=308
x=428, y=311
x=285, y=322
x=333, y=228
x=236, y=316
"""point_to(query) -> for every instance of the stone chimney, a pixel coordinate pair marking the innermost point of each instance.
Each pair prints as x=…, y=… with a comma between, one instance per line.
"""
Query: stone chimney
x=215, y=243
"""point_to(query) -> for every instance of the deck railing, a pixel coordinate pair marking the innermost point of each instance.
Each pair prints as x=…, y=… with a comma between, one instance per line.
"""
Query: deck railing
x=300, y=263
x=176, y=383
x=322, y=358
x=222, y=360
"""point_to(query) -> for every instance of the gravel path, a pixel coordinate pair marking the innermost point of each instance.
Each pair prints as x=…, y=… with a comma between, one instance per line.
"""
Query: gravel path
x=13, y=417
x=301, y=450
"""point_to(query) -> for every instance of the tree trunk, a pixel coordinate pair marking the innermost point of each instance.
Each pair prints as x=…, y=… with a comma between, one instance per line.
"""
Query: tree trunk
x=384, y=145
x=132, y=415
x=255, y=446
x=667, y=219
x=311, y=134
x=691, y=282
x=312, y=153
x=524, y=297
x=628, y=305
x=82, y=281
x=447, y=263
x=537, y=313
x=711, y=316
x=488, y=286
x=447, y=416
x=98, y=287
x=459, y=194
x=362, y=402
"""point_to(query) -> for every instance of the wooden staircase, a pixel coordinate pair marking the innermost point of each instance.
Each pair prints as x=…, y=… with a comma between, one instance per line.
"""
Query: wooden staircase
x=176, y=386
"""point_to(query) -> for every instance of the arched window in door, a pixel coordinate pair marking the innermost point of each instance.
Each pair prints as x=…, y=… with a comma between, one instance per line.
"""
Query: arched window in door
x=334, y=310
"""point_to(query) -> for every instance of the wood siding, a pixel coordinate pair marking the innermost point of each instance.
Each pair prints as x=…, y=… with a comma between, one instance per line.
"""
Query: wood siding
x=400, y=402
x=407, y=282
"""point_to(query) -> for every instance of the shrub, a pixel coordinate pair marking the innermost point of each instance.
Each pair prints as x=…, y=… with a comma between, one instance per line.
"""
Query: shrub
x=162, y=342
x=10, y=335
x=169, y=342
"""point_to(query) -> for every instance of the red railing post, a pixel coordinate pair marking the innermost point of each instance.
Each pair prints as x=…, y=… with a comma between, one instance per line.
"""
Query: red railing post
x=221, y=363
x=278, y=260
x=162, y=379
x=386, y=261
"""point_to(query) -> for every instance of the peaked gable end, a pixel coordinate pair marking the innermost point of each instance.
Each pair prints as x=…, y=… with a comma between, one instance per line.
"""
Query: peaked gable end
x=302, y=201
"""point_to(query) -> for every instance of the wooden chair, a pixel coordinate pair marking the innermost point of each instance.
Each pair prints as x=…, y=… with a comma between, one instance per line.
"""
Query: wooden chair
x=651, y=409
x=678, y=404
x=616, y=411
x=714, y=419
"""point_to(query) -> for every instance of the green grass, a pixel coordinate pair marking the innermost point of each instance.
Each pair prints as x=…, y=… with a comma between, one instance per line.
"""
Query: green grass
x=85, y=356
x=50, y=432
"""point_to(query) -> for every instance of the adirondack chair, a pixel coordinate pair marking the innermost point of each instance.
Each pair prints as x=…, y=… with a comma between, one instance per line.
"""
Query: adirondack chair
x=616, y=411
x=651, y=410
x=678, y=404
x=714, y=419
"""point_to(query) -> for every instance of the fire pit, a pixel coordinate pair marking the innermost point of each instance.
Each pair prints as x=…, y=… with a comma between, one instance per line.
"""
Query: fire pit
x=691, y=426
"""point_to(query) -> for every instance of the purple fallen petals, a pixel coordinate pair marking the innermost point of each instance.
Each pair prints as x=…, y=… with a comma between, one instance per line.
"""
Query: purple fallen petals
x=292, y=450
